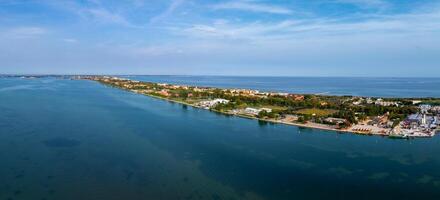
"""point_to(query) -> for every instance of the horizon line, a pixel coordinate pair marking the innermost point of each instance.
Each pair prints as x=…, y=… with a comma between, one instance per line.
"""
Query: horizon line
x=212, y=75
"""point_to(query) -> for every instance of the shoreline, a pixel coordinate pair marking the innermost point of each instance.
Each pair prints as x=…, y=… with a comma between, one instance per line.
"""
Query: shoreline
x=207, y=98
x=341, y=131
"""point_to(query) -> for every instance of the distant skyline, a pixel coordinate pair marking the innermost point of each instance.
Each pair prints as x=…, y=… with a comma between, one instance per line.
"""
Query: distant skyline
x=368, y=38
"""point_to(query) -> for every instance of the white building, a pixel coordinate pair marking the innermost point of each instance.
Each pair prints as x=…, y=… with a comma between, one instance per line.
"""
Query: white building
x=425, y=108
x=381, y=102
x=252, y=111
x=255, y=111
x=212, y=103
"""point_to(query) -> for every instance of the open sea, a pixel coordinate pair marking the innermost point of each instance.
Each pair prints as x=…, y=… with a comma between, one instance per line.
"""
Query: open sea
x=71, y=140
x=372, y=87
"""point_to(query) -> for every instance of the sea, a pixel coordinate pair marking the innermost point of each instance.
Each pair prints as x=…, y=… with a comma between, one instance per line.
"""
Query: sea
x=352, y=86
x=77, y=139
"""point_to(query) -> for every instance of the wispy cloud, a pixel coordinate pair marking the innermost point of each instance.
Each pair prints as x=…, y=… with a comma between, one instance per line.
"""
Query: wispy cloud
x=169, y=11
x=252, y=6
x=105, y=16
x=336, y=36
x=94, y=11
x=384, y=25
x=367, y=4
x=24, y=32
x=70, y=40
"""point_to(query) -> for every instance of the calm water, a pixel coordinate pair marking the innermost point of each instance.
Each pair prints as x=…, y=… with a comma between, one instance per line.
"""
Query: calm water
x=71, y=140
x=381, y=87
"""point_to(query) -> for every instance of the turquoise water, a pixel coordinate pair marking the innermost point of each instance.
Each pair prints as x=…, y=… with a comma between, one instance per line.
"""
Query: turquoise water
x=62, y=139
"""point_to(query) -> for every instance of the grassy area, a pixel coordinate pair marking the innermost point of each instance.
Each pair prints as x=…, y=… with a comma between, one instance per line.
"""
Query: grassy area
x=274, y=107
x=432, y=102
x=317, y=112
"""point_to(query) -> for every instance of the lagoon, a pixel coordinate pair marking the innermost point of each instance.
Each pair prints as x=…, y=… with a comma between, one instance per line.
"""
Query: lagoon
x=65, y=139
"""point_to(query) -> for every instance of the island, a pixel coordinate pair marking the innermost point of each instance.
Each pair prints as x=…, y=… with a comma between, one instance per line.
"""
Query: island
x=388, y=117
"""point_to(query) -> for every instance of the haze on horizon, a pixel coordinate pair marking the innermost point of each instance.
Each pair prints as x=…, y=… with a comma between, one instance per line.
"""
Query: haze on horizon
x=396, y=38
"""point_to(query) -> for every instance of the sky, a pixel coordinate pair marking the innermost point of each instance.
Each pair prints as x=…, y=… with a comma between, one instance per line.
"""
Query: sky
x=392, y=38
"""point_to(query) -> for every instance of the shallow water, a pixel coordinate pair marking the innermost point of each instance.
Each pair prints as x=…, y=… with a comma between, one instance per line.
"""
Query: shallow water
x=62, y=139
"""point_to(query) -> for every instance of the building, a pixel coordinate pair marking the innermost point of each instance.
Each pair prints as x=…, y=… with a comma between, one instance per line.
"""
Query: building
x=379, y=121
x=252, y=111
x=435, y=109
x=381, y=102
x=414, y=102
x=358, y=101
x=333, y=120
x=425, y=108
x=255, y=111
x=420, y=120
x=164, y=93
x=212, y=103
x=297, y=97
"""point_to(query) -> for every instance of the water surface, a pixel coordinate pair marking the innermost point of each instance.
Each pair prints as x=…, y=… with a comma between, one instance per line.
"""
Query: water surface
x=356, y=86
x=62, y=139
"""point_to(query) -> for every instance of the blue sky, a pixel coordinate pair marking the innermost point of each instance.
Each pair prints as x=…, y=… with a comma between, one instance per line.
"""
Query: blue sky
x=213, y=37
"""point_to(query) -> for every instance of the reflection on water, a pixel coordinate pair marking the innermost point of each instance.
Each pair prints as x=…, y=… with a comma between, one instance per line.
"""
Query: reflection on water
x=81, y=140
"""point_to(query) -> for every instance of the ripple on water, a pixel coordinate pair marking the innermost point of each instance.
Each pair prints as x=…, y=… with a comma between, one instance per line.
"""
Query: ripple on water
x=61, y=142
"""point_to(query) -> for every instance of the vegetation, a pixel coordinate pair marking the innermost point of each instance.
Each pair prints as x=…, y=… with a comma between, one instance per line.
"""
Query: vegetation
x=315, y=108
x=316, y=112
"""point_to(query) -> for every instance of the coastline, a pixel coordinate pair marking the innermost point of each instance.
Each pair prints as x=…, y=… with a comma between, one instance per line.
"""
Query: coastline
x=309, y=125
x=309, y=111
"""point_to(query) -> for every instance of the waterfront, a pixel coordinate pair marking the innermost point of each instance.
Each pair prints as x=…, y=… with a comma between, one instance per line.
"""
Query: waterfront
x=64, y=139
x=393, y=117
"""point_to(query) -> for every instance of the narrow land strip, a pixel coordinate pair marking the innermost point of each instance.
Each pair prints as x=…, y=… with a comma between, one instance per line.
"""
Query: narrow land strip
x=392, y=117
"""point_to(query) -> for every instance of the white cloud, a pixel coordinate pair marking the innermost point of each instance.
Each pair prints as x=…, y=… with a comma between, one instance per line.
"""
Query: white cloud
x=367, y=4
x=95, y=11
x=24, y=32
x=252, y=7
x=70, y=40
x=169, y=11
x=105, y=16
x=281, y=44
x=404, y=24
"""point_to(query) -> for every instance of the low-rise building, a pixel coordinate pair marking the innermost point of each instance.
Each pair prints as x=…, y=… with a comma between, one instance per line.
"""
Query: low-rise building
x=297, y=97
x=435, y=109
x=252, y=111
x=256, y=111
x=414, y=102
x=212, y=103
x=425, y=108
x=164, y=93
x=381, y=102
x=333, y=120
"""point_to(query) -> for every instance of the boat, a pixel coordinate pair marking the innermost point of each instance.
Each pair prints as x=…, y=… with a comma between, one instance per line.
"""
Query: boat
x=398, y=136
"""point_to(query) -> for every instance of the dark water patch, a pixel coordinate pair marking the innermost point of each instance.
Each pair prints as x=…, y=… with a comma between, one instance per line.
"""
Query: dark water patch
x=17, y=192
x=18, y=176
x=128, y=174
x=61, y=142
